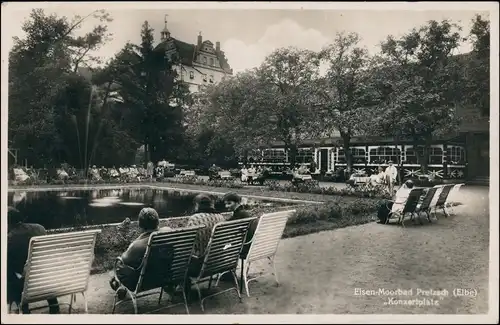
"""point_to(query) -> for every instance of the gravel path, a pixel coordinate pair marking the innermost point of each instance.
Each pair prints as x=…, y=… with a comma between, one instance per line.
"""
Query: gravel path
x=319, y=273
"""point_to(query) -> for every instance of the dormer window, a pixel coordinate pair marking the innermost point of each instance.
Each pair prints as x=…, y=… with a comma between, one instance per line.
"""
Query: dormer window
x=204, y=60
x=211, y=78
x=212, y=62
x=191, y=75
x=205, y=77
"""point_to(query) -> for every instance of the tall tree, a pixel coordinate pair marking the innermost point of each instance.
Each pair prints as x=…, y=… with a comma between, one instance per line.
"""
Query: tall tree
x=150, y=87
x=39, y=67
x=286, y=79
x=343, y=93
x=425, y=84
x=479, y=65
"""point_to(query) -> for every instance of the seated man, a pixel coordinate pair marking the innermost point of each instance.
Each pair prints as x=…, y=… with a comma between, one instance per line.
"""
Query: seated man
x=18, y=239
x=397, y=204
x=129, y=264
x=233, y=203
x=205, y=214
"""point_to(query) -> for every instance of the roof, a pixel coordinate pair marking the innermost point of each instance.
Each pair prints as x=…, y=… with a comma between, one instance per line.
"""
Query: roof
x=187, y=52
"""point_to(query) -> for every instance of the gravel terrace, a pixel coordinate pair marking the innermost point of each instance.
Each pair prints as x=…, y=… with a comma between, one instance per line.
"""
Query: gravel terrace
x=319, y=273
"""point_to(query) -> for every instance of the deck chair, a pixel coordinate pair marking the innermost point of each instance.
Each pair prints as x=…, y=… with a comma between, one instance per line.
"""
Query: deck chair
x=58, y=265
x=222, y=254
x=409, y=207
x=425, y=206
x=264, y=244
x=165, y=264
x=443, y=196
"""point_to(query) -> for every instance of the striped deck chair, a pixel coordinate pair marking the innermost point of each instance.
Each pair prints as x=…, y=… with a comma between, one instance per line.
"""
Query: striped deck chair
x=58, y=265
x=222, y=254
x=164, y=265
x=409, y=207
x=425, y=206
x=441, y=201
x=264, y=244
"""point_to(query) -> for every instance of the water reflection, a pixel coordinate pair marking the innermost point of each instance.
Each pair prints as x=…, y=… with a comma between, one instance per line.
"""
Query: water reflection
x=56, y=209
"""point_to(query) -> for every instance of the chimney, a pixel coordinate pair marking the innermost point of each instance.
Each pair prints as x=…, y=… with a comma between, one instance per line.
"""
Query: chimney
x=217, y=47
x=199, y=40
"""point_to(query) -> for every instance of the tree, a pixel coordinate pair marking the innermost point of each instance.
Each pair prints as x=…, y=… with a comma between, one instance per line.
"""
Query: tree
x=39, y=68
x=156, y=98
x=343, y=93
x=283, y=102
x=479, y=65
x=424, y=84
x=229, y=112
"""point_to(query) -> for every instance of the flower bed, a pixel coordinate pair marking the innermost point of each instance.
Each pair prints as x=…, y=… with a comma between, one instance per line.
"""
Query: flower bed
x=194, y=180
x=313, y=187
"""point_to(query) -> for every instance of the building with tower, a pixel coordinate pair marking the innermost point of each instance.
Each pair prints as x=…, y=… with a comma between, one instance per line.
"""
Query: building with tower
x=199, y=64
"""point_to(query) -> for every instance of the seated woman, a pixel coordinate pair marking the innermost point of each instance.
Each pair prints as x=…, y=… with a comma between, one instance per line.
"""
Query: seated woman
x=379, y=178
x=205, y=214
x=397, y=204
x=129, y=264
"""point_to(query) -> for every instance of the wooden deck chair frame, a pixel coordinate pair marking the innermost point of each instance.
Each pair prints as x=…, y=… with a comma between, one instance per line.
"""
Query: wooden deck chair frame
x=58, y=265
x=454, y=189
x=222, y=254
x=409, y=207
x=181, y=243
x=443, y=197
x=264, y=244
x=425, y=206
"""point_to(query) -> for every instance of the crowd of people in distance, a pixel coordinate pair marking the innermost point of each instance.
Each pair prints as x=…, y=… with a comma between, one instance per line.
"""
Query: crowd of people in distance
x=124, y=173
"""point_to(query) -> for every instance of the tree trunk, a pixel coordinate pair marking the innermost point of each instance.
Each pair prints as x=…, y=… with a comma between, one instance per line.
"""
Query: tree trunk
x=346, y=139
x=292, y=155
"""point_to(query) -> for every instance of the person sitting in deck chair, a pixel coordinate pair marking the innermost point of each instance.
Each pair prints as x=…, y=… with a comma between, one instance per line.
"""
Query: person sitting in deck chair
x=399, y=201
x=232, y=201
x=130, y=262
x=205, y=214
x=18, y=242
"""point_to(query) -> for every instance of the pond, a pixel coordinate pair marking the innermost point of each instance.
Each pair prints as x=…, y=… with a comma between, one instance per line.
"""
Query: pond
x=60, y=209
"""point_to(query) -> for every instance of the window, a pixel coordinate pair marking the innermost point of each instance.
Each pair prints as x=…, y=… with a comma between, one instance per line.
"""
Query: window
x=211, y=78
x=205, y=77
x=358, y=156
x=456, y=155
x=304, y=156
x=435, y=155
x=204, y=60
x=274, y=156
x=382, y=155
x=191, y=75
x=212, y=62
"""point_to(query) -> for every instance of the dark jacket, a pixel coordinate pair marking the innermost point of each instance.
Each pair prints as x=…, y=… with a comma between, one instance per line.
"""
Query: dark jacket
x=128, y=268
x=240, y=213
x=18, y=241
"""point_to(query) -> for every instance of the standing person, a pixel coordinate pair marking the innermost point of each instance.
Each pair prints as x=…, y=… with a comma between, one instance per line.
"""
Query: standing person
x=18, y=241
x=150, y=170
x=244, y=174
x=392, y=175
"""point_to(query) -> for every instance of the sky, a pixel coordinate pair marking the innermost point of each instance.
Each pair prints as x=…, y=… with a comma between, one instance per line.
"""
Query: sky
x=248, y=35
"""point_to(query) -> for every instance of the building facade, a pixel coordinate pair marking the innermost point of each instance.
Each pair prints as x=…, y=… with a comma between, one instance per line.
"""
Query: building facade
x=199, y=64
x=461, y=156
